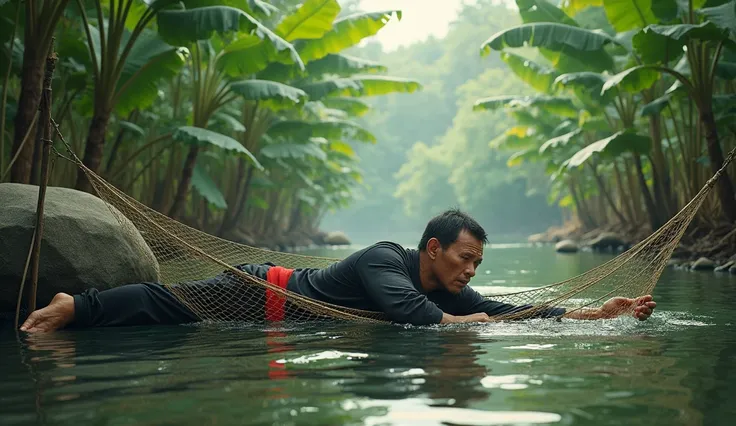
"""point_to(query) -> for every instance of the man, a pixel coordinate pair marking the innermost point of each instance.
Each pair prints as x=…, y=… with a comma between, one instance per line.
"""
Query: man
x=424, y=286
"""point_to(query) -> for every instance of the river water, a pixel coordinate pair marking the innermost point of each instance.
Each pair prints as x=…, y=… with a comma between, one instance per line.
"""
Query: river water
x=678, y=368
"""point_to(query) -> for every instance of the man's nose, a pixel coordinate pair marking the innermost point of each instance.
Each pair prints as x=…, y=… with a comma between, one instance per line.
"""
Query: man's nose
x=470, y=271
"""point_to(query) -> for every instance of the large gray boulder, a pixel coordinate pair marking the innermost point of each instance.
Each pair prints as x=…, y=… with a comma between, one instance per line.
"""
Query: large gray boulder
x=84, y=244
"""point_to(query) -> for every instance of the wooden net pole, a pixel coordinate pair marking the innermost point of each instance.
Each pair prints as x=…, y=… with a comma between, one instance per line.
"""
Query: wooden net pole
x=45, y=113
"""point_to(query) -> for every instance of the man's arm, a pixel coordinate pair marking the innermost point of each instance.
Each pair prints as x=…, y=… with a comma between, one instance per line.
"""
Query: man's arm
x=133, y=304
x=470, y=302
x=641, y=307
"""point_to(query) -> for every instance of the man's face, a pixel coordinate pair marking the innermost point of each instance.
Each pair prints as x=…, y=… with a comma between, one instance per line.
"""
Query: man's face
x=456, y=265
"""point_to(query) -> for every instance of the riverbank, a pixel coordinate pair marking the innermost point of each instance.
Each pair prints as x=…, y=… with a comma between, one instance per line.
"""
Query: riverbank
x=701, y=248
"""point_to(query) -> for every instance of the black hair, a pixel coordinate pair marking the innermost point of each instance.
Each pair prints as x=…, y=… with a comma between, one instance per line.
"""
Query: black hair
x=446, y=227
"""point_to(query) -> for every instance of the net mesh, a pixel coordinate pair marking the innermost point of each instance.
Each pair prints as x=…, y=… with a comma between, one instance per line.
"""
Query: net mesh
x=200, y=269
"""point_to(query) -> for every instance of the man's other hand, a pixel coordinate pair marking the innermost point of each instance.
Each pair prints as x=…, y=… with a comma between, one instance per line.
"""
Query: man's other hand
x=640, y=307
x=56, y=315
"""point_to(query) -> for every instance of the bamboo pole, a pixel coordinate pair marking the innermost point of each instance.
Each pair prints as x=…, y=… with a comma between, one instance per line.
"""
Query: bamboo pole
x=46, y=139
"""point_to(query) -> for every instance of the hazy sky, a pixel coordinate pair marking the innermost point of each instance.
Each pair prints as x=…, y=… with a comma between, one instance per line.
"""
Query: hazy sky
x=420, y=19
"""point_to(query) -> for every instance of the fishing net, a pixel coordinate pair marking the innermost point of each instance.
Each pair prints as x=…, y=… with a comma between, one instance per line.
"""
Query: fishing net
x=201, y=269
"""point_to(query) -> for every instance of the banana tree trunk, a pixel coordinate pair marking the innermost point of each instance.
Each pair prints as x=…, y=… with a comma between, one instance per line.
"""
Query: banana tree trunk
x=185, y=182
x=95, y=144
x=607, y=195
x=654, y=220
x=581, y=208
x=231, y=220
x=118, y=142
x=662, y=182
x=625, y=201
x=30, y=96
x=724, y=186
x=295, y=217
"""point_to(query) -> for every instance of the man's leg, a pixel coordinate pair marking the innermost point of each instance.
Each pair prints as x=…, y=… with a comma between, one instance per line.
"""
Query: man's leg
x=132, y=304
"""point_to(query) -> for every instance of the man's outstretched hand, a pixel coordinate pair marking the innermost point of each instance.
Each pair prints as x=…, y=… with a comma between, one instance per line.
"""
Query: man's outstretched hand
x=59, y=313
x=641, y=307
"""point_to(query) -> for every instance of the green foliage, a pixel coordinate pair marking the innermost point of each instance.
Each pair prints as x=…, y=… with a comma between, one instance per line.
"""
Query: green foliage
x=345, y=32
x=559, y=141
x=311, y=21
x=573, y=7
x=633, y=79
x=183, y=27
x=724, y=16
x=531, y=73
x=353, y=107
x=543, y=11
x=207, y=188
x=611, y=147
x=206, y=138
x=328, y=129
x=342, y=65
x=360, y=86
x=660, y=43
x=627, y=15
x=263, y=90
x=557, y=105
x=296, y=151
x=586, y=86
x=150, y=62
x=583, y=45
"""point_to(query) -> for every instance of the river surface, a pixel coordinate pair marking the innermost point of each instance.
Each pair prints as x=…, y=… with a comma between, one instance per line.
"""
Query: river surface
x=678, y=368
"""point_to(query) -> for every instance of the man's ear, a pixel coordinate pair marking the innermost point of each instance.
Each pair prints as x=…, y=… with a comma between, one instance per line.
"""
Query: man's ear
x=433, y=247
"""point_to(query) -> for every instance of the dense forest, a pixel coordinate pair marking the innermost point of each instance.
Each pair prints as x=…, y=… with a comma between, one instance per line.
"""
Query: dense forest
x=434, y=150
x=233, y=116
x=264, y=121
x=618, y=113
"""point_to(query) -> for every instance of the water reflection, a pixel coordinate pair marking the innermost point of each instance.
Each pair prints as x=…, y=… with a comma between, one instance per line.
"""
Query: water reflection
x=676, y=368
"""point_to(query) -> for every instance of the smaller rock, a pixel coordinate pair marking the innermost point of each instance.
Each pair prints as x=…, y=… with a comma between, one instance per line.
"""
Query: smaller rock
x=337, y=238
x=566, y=246
x=607, y=240
x=703, y=264
x=725, y=266
x=732, y=270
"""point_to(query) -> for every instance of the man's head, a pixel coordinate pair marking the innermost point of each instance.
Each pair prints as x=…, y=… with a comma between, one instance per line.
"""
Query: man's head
x=453, y=242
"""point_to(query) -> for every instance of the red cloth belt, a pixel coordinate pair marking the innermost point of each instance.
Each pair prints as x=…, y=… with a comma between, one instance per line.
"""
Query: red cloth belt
x=276, y=275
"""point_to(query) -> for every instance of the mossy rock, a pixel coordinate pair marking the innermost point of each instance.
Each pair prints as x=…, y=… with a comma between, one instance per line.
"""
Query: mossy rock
x=86, y=243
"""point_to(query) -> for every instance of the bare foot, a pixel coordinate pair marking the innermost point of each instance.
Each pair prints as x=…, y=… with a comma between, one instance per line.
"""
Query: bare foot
x=59, y=313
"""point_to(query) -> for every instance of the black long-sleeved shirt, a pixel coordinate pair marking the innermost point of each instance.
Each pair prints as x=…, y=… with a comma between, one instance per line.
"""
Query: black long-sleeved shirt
x=383, y=277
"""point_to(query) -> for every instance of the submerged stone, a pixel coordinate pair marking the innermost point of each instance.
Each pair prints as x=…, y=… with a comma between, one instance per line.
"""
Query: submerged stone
x=607, y=240
x=566, y=246
x=703, y=264
x=86, y=243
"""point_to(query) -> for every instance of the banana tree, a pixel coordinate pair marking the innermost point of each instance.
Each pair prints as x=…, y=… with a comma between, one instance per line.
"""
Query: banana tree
x=319, y=38
x=39, y=20
x=211, y=64
x=702, y=44
x=263, y=100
